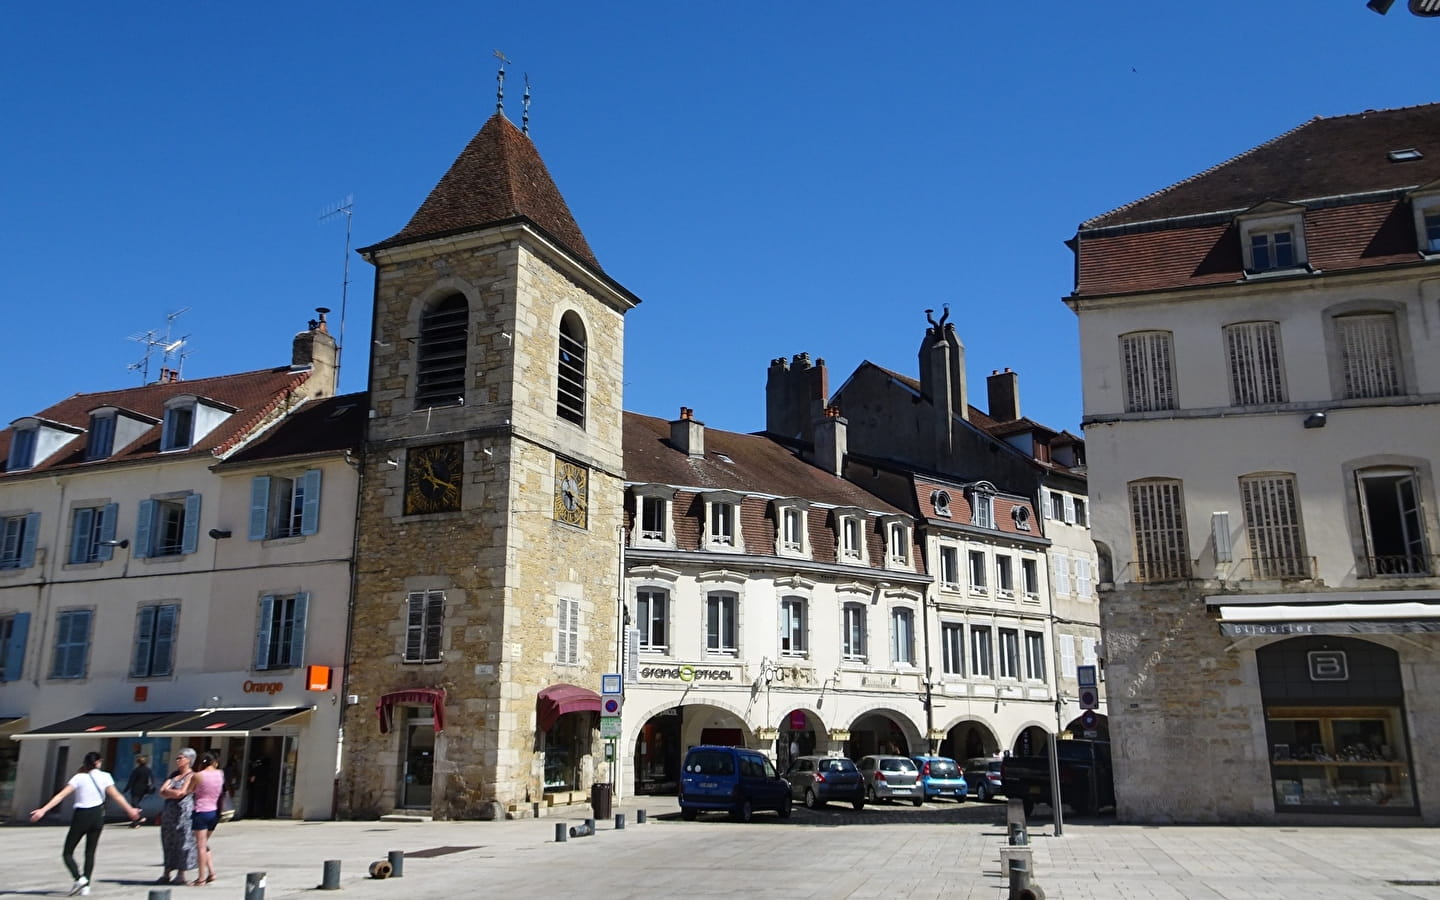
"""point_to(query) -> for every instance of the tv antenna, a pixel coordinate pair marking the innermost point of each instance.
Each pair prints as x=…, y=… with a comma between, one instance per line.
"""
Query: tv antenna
x=171, y=348
x=344, y=208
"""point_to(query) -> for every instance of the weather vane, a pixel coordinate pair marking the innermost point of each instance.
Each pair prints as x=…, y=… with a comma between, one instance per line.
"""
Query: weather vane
x=500, y=83
x=525, y=116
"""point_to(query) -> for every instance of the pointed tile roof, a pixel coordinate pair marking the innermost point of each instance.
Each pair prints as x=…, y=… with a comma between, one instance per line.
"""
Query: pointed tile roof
x=498, y=177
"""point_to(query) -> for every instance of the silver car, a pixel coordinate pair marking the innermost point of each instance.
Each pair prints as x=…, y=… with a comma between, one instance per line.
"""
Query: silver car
x=892, y=777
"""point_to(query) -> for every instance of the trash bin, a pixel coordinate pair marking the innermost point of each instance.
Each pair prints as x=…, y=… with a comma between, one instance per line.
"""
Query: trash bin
x=600, y=797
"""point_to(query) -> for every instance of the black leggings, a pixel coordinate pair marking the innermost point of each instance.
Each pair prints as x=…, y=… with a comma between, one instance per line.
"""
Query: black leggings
x=85, y=823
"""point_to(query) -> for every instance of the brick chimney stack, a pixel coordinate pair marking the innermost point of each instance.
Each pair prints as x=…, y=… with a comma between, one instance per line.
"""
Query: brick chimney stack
x=316, y=348
x=795, y=396
x=830, y=441
x=687, y=434
x=1004, y=393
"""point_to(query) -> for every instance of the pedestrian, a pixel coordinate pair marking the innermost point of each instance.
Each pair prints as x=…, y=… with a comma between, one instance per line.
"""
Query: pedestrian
x=90, y=785
x=140, y=785
x=177, y=833
x=208, y=783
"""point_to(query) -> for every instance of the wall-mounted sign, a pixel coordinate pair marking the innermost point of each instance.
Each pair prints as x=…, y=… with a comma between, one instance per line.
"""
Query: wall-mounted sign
x=263, y=687
x=1328, y=665
x=686, y=674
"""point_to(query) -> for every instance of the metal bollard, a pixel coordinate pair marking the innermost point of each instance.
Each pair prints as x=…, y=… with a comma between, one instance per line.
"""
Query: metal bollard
x=162, y=894
x=619, y=821
x=560, y=833
x=330, y=875
x=1021, y=887
x=535, y=810
x=397, y=863
x=380, y=869
x=584, y=829
x=639, y=817
x=254, y=886
x=1019, y=836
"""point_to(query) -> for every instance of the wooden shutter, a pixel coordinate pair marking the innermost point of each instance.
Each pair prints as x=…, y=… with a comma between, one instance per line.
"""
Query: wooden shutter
x=1157, y=518
x=109, y=516
x=28, y=540
x=161, y=660
x=259, y=507
x=144, y=641
x=80, y=525
x=1272, y=525
x=144, y=528
x=262, y=634
x=299, y=610
x=1256, y=371
x=1370, y=352
x=15, y=647
x=191, y=539
x=1148, y=371
x=310, y=512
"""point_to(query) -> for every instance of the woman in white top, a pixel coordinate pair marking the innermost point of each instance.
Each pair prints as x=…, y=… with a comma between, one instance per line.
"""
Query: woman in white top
x=91, y=785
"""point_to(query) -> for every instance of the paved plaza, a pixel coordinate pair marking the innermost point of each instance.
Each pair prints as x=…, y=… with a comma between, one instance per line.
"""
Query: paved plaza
x=939, y=851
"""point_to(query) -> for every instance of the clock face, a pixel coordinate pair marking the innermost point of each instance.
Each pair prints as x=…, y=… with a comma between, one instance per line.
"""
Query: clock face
x=432, y=479
x=572, y=493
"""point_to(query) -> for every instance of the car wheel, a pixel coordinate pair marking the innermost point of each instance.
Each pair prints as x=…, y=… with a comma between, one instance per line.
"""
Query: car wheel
x=919, y=801
x=687, y=814
x=983, y=795
x=859, y=804
x=784, y=809
x=811, y=801
x=744, y=812
x=870, y=794
x=961, y=798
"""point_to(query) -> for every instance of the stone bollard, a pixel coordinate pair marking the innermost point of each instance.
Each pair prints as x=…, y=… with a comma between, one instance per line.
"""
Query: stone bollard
x=560, y=833
x=1015, y=811
x=162, y=894
x=619, y=821
x=1019, y=837
x=254, y=886
x=396, y=859
x=380, y=869
x=639, y=817
x=535, y=810
x=1021, y=886
x=330, y=875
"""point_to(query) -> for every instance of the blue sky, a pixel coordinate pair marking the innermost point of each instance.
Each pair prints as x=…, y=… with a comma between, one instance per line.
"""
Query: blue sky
x=770, y=178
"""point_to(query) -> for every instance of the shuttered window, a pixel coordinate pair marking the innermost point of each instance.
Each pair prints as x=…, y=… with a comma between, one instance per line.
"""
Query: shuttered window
x=1149, y=371
x=1256, y=374
x=280, y=641
x=570, y=390
x=567, y=630
x=1370, y=355
x=424, y=620
x=1272, y=525
x=154, y=650
x=1157, y=516
x=440, y=353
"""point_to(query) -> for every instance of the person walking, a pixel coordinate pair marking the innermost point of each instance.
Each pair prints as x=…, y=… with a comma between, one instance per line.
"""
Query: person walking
x=140, y=785
x=208, y=783
x=177, y=834
x=90, y=785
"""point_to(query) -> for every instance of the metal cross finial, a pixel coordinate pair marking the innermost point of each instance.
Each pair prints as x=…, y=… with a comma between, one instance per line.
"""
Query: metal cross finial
x=500, y=83
x=525, y=116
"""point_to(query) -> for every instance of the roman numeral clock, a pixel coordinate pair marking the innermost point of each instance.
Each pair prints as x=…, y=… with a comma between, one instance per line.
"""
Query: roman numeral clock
x=572, y=493
x=432, y=479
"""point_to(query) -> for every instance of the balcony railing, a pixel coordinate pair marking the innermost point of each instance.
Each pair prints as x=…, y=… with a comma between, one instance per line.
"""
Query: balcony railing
x=1280, y=567
x=1156, y=571
x=1405, y=565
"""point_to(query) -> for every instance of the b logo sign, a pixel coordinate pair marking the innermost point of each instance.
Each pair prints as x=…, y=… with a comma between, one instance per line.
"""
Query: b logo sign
x=1328, y=665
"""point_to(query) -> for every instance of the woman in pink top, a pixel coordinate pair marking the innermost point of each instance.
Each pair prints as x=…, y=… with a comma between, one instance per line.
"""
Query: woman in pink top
x=207, y=784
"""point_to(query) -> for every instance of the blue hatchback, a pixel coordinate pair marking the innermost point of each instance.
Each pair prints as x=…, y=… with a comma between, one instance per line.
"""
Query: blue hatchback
x=942, y=777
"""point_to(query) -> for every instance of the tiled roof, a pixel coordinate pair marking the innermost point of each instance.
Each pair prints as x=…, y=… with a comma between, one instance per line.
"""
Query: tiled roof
x=255, y=396
x=962, y=513
x=329, y=425
x=498, y=177
x=1324, y=157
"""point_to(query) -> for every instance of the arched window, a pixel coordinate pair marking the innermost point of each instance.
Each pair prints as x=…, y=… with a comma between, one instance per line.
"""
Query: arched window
x=570, y=375
x=440, y=358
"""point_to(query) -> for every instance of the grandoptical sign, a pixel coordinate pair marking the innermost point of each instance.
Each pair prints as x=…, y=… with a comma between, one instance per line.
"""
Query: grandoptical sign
x=686, y=674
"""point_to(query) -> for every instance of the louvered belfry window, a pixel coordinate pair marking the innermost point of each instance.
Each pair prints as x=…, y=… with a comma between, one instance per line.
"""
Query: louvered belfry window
x=440, y=358
x=570, y=394
x=1256, y=374
x=1371, y=355
x=1272, y=524
x=1157, y=515
x=1149, y=371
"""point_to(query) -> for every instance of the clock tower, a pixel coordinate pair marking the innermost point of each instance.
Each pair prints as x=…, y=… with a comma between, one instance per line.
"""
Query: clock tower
x=487, y=567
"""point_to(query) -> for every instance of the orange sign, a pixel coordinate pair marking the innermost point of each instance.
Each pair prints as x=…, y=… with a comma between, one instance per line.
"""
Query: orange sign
x=317, y=678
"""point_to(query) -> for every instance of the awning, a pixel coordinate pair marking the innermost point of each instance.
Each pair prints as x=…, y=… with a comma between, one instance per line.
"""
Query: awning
x=559, y=699
x=11, y=724
x=231, y=722
x=1256, y=620
x=107, y=725
x=434, y=697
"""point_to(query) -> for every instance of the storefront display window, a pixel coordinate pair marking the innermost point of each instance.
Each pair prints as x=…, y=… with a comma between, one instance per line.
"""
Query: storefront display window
x=1339, y=758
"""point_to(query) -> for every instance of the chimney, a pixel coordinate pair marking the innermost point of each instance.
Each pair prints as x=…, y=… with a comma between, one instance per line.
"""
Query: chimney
x=316, y=349
x=795, y=396
x=830, y=441
x=168, y=375
x=687, y=435
x=1004, y=391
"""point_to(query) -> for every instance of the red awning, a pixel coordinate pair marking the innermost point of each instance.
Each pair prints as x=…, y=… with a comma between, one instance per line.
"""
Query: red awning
x=435, y=697
x=559, y=699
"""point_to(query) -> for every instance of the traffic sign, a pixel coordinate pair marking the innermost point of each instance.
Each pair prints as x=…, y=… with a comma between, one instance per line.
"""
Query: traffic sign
x=1089, y=719
x=1089, y=698
x=610, y=727
x=1086, y=676
x=610, y=684
x=609, y=706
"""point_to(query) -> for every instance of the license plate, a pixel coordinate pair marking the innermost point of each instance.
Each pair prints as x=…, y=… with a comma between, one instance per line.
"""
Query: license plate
x=709, y=784
x=1034, y=788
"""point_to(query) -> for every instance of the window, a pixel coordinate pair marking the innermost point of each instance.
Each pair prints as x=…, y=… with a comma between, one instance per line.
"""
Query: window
x=791, y=539
x=1271, y=250
x=1272, y=524
x=982, y=508
x=1004, y=575
x=570, y=378
x=154, y=640
x=1256, y=372
x=852, y=639
x=92, y=532
x=722, y=528
x=902, y=636
x=720, y=626
x=168, y=527
x=18, y=535
x=440, y=353
x=651, y=617
x=792, y=626
x=1030, y=578
x=1394, y=529
x=179, y=427
x=898, y=540
x=14, y=629
x=101, y=442
x=1021, y=515
x=567, y=632
x=940, y=501
x=424, y=618
x=1369, y=355
x=655, y=519
x=1081, y=515
x=1057, y=505
x=284, y=507
x=1149, y=374
x=791, y=528
x=1035, y=655
x=977, y=572
x=1009, y=653
x=22, y=448
x=1083, y=582
x=982, y=651
x=852, y=544
x=952, y=647
x=72, y=643
x=280, y=640
x=1067, y=656
x=1060, y=563
x=950, y=568
x=1157, y=516
x=1432, y=232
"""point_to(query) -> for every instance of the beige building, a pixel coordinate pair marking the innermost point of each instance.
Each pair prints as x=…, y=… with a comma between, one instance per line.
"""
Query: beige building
x=1261, y=374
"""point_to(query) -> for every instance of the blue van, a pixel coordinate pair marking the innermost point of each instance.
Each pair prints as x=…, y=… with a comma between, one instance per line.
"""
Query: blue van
x=732, y=780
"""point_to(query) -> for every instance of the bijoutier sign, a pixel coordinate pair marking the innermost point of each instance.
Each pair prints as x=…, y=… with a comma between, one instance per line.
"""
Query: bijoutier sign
x=686, y=673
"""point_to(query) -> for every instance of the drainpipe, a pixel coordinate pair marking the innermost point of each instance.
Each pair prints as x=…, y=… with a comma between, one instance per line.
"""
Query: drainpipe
x=929, y=680
x=359, y=465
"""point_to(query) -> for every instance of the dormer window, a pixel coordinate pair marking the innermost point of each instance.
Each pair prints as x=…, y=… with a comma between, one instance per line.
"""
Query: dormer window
x=189, y=420
x=940, y=500
x=179, y=429
x=1272, y=238
x=22, y=449
x=791, y=532
x=982, y=504
x=33, y=440
x=102, y=436
x=1426, y=203
x=652, y=515
x=722, y=522
x=897, y=541
x=850, y=535
x=1272, y=250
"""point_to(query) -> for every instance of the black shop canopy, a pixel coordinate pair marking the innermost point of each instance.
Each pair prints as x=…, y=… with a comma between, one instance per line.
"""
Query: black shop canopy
x=231, y=722
x=223, y=722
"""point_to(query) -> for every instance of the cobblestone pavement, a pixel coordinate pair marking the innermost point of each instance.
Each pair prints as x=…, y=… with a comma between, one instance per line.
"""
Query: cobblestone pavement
x=884, y=851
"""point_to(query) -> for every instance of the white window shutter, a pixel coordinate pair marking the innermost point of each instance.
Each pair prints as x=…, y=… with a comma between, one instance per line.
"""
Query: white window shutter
x=1220, y=530
x=1045, y=502
x=259, y=507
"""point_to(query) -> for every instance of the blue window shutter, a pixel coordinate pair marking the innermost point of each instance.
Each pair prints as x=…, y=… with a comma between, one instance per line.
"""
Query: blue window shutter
x=144, y=525
x=262, y=634
x=144, y=638
x=27, y=545
x=15, y=647
x=192, y=524
x=297, y=630
x=109, y=515
x=310, y=515
x=161, y=661
x=259, y=507
x=80, y=535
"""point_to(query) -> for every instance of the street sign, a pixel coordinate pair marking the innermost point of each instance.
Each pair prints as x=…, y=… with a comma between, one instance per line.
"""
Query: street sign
x=610, y=727
x=609, y=706
x=1089, y=698
x=1088, y=720
x=1086, y=676
x=610, y=684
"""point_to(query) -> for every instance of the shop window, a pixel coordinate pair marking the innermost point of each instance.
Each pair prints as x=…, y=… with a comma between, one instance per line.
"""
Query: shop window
x=1329, y=759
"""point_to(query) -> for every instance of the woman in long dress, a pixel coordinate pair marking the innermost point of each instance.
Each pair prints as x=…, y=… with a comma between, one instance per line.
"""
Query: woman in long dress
x=177, y=838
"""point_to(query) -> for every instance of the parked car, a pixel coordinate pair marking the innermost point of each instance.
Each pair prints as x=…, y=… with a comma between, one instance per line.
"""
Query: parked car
x=892, y=777
x=942, y=777
x=820, y=779
x=982, y=774
x=733, y=780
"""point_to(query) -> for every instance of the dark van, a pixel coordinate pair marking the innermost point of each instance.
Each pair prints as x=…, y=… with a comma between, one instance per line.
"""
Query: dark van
x=732, y=780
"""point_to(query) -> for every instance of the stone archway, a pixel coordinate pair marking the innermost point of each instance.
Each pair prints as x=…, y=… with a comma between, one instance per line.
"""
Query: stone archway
x=799, y=732
x=969, y=739
x=1033, y=740
x=884, y=731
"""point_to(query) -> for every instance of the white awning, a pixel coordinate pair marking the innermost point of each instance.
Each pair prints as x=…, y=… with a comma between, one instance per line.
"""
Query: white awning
x=1255, y=620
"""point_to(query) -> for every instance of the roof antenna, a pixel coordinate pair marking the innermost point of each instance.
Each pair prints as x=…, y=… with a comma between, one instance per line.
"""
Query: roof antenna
x=168, y=347
x=525, y=116
x=346, y=208
x=500, y=84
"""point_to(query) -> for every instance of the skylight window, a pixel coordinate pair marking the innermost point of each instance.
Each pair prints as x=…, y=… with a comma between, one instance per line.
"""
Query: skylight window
x=1409, y=154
